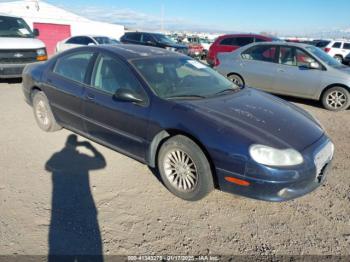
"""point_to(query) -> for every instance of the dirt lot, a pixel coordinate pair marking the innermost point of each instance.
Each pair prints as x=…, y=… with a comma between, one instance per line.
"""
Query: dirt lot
x=118, y=205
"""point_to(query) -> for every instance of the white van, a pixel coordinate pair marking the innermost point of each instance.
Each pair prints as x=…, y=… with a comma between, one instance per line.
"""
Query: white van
x=18, y=46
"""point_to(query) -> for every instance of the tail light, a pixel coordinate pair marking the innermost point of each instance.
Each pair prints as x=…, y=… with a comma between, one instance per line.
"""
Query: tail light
x=327, y=49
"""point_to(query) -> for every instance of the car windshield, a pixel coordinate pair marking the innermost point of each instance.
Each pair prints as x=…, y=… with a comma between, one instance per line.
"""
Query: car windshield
x=163, y=39
x=182, y=77
x=14, y=27
x=323, y=56
x=103, y=40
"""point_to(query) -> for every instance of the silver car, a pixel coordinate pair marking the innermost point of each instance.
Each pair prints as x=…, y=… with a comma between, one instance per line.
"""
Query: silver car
x=291, y=69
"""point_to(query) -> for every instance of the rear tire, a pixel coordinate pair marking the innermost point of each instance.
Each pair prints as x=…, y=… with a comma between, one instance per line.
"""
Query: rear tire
x=336, y=99
x=236, y=79
x=184, y=168
x=43, y=114
x=338, y=58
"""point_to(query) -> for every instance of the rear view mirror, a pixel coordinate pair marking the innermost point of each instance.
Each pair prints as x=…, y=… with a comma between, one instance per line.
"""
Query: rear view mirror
x=127, y=95
x=36, y=32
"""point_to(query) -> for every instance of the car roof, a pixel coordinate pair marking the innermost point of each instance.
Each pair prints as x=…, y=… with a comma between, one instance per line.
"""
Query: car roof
x=246, y=35
x=87, y=36
x=279, y=43
x=129, y=51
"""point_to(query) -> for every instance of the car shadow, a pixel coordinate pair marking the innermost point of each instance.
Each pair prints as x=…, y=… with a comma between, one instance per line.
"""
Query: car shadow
x=11, y=81
x=303, y=101
x=74, y=233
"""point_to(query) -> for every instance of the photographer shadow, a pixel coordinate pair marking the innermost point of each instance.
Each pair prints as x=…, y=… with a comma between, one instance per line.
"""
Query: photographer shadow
x=74, y=230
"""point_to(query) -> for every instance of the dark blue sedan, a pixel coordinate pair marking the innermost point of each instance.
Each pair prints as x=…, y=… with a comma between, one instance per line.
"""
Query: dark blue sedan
x=177, y=115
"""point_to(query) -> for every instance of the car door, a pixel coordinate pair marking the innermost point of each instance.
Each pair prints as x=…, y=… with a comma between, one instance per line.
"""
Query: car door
x=259, y=66
x=120, y=124
x=64, y=86
x=294, y=76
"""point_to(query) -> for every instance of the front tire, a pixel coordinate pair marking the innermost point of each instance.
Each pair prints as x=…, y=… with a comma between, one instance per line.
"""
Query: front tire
x=236, y=79
x=43, y=114
x=184, y=169
x=336, y=99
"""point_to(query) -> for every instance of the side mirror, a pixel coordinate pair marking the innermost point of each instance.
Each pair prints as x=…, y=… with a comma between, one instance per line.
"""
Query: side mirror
x=91, y=44
x=150, y=43
x=127, y=95
x=36, y=32
x=314, y=65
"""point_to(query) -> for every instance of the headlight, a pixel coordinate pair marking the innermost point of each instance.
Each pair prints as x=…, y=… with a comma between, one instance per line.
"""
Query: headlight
x=275, y=157
x=173, y=49
x=41, y=52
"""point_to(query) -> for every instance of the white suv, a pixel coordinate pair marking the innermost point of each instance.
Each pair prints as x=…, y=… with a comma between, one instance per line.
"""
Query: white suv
x=338, y=49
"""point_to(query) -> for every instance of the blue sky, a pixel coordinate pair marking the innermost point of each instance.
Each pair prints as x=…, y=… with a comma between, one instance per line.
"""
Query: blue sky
x=282, y=17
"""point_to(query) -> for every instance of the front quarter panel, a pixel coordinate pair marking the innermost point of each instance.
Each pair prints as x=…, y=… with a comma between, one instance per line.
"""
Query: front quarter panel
x=31, y=78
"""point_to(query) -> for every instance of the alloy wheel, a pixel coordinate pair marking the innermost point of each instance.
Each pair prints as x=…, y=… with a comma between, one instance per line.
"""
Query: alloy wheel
x=336, y=99
x=236, y=80
x=42, y=113
x=180, y=170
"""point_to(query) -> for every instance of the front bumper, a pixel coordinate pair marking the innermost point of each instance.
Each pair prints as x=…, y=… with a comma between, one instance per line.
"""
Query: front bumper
x=11, y=70
x=279, y=184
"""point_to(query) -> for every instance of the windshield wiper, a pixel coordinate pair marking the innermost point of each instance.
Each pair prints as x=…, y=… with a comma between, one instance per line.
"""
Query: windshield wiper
x=226, y=90
x=186, y=96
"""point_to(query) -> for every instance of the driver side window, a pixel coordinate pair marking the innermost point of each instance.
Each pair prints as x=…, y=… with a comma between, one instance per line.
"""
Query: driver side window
x=110, y=75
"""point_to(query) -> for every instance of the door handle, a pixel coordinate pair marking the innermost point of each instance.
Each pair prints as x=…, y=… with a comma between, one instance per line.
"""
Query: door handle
x=280, y=70
x=90, y=97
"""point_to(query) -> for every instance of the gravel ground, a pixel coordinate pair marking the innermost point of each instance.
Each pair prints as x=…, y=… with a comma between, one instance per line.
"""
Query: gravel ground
x=117, y=206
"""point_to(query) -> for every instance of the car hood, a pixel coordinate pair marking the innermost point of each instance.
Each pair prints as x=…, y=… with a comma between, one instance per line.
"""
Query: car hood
x=261, y=118
x=11, y=43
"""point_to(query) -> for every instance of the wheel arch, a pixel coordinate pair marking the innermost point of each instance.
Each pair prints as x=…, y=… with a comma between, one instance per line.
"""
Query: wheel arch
x=32, y=90
x=163, y=136
x=333, y=85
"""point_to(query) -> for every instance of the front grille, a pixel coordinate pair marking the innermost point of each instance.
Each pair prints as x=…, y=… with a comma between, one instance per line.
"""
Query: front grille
x=11, y=71
x=17, y=56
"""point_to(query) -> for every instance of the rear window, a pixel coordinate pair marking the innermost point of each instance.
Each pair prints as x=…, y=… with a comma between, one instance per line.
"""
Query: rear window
x=133, y=36
x=242, y=41
x=322, y=43
x=237, y=41
x=337, y=45
x=227, y=41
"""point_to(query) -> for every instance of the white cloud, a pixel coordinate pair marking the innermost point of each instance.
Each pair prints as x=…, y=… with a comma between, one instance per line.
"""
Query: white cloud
x=138, y=20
